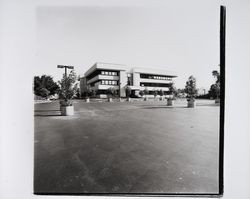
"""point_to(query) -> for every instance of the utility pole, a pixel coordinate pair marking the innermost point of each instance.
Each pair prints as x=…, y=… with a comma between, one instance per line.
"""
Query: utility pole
x=222, y=94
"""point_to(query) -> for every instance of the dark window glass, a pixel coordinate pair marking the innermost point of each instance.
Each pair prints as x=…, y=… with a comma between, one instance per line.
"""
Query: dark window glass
x=154, y=84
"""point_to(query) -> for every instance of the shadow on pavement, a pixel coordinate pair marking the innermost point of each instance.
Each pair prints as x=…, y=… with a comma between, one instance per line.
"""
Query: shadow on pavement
x=207, y=104
x=173, y=107
x=167, y=107
x=45, y=110
x=47, y=113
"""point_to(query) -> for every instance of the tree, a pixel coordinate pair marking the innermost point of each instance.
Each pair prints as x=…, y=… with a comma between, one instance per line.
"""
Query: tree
x=216, y=75
x=215, y=88
x=45, y=82
x=172, y=89
x=112, y=92
x=93, y=93
x=146, y=91
x=141, y=93
x=190, y=88
x=214, y=91
x=87, y=92
x=68, y=86
x=155, y=93
x=161, y=92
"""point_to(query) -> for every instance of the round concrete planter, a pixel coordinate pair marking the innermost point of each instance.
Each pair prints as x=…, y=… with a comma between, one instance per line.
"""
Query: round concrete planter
x=191, y=103
x=217, y=101
x=170, y=102
x=110, y=99
x=128, y=99
x=87, y=100
x=120, y=99
x=67, y=110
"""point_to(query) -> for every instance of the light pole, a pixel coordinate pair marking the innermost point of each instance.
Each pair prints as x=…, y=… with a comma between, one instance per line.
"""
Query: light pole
x=65, y=67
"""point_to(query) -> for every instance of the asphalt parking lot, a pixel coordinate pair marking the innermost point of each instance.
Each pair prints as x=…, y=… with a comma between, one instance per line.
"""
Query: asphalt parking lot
x=127, y=147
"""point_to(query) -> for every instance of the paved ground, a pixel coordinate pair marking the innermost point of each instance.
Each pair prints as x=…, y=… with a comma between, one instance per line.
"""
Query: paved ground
x=127, y=147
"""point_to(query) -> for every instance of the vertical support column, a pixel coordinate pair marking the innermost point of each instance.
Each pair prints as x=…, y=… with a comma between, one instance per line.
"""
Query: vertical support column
x=136, y=79
x=123, y=83
x=222, y=94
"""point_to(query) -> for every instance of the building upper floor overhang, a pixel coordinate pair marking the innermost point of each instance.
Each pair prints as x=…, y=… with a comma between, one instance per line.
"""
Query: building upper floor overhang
x=155, y=71
x=105, y=66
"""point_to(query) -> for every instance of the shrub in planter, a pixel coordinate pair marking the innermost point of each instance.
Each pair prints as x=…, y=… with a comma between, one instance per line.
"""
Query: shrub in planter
x=128, y=93
x=155, y=94
x=191, y=91
x=141, y=93
x=110, y=99
x=67, y=91
x=146, y=92
x=88, y=93
x=170, y=101
x=111, y=93
x=161, y=95
x=191, y=102
x=67, y=108
x=217, y=101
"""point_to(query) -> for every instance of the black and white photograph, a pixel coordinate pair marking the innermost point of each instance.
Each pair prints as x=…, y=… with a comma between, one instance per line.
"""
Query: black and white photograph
x=127, y=99
x=123, y=98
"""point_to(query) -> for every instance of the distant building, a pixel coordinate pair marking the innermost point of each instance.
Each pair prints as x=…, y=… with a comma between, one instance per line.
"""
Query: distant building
x=103, y=76
x=201, y=91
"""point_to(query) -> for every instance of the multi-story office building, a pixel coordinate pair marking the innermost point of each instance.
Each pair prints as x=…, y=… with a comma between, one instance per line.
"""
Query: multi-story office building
x=104, y=76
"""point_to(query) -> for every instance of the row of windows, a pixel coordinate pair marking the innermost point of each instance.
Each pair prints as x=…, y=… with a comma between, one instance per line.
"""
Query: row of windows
x=148, y=76
x=154, y=84
x=109, y=82
x=109, y=73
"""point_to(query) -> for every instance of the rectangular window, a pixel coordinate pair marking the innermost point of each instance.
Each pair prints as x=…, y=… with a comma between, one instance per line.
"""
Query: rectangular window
x=110, y=82
x=103, y=73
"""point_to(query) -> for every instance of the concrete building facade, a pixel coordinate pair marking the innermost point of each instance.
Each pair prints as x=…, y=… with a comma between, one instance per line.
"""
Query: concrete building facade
x=104, y=76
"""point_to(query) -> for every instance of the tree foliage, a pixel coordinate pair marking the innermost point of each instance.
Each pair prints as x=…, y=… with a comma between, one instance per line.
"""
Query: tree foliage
x=173, y=90
x=161, y=92
x=214, y=91
x=44, y=92
x=216, y=75
x=146, y=91
x=190, y=88
x=112, y=92
x=155, y=93
x=45, y=86
x=68, y=86
x=141, y=93
x=215, y=88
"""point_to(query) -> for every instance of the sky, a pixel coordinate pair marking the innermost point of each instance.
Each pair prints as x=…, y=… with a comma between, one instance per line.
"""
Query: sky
x=180, y=37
